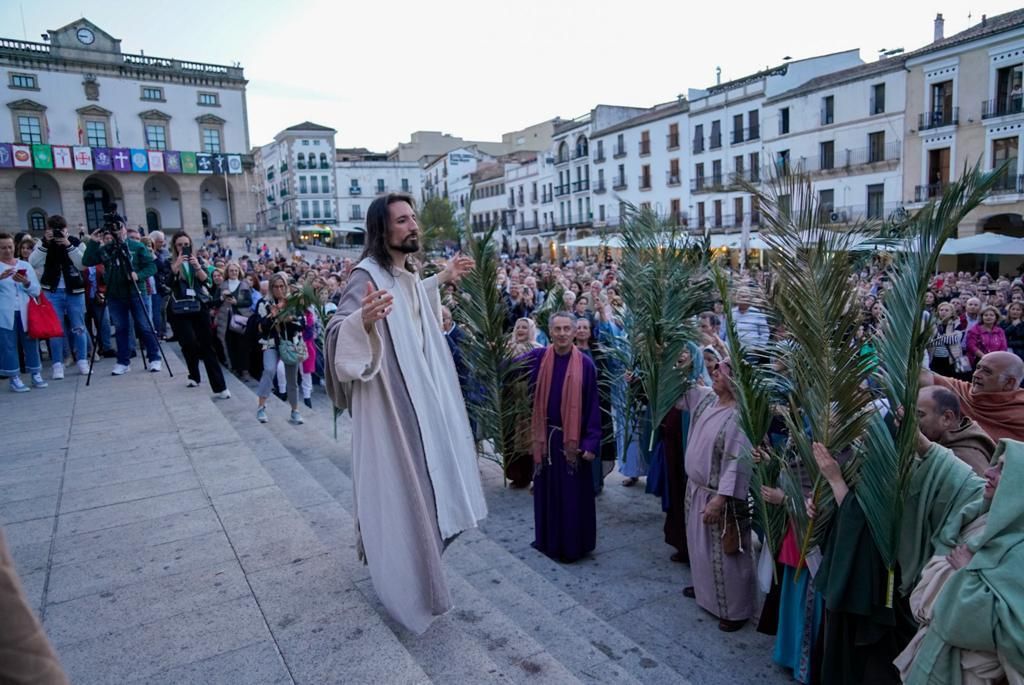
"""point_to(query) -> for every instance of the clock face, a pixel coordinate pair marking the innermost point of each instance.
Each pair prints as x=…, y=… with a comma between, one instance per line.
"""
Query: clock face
x=85, y=36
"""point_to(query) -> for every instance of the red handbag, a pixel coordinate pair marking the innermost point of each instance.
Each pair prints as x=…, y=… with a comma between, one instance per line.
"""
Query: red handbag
x=43, y=323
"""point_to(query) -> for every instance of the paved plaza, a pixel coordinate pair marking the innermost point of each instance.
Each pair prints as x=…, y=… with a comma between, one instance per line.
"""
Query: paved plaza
x=167, y=538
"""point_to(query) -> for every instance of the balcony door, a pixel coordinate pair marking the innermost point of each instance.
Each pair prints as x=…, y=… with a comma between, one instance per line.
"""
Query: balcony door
x=938, y=167
x=942, y=102
x=1004, y=151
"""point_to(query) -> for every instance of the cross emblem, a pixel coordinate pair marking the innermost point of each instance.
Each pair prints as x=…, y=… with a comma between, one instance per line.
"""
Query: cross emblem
x=121, y=157
x=82, y=157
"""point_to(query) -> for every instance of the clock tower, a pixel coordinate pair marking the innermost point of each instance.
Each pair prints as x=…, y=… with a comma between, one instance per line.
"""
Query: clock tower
x=82, y=39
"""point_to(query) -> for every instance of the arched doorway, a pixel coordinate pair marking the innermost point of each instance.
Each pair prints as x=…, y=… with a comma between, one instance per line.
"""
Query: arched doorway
x=163, y=203
x=101, y=191
x=37, y=196
x=206, y=218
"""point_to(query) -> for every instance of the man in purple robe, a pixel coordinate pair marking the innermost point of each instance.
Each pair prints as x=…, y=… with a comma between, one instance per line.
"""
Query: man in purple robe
x=566, y=430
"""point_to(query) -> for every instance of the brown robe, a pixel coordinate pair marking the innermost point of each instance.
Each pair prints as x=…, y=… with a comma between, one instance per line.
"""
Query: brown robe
x=971, y=444
x=1000, y=414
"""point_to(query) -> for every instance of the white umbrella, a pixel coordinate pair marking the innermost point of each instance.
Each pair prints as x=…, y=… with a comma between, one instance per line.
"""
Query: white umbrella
x=984, y=243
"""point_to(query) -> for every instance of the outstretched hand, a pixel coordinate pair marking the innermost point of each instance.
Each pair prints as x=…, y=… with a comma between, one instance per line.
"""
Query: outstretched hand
x=458, y=266
x=376, y=306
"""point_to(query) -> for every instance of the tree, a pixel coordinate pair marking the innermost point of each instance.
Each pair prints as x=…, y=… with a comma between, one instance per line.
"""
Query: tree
x=438, y=223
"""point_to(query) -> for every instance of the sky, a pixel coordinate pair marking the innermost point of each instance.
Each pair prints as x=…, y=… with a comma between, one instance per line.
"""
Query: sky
x=377, y=70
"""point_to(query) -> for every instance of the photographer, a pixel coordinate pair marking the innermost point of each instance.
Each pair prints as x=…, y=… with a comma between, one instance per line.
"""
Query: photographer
x=188, y=312
x=57, y=258
x=126, y=265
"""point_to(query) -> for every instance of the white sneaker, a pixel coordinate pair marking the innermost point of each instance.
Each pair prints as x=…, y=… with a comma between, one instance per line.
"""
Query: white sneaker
x=120, y=369
x=83, y=367
x=38, y=381
x=191, y=384
x=222, y=395
x=155, y=366
x=58, y=372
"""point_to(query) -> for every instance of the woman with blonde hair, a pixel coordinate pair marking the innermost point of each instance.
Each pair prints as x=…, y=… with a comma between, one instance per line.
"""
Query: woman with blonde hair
x=236, y=295
x=280, y=332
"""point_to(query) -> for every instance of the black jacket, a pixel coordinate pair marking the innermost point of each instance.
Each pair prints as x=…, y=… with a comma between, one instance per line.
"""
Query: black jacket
x=52, y=261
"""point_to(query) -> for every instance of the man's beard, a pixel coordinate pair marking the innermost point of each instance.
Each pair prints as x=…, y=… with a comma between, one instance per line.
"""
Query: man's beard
x=410, y=245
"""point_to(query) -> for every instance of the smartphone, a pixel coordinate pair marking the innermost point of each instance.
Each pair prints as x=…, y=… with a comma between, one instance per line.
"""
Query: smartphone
x=23, y=272
x=187, y=250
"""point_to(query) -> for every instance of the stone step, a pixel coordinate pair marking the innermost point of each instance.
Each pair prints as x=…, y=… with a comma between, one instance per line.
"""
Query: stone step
x=536, y=608
x=229, y=552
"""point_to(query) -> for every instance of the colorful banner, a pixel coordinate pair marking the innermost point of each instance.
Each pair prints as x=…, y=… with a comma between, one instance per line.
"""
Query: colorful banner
x=122, y=159
x=83, y=158
x=140, y=160
x=220, y=164
x=22, y=156
x=6, y=156
x=234, y=164
x=102, y=159
x=62, y=157
x=188, y=163
x=42, y=157
x=156, y=160
x=204, y=163
x=172, y=162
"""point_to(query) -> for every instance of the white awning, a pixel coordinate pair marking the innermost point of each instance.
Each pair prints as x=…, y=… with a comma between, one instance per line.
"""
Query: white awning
x=984, y=243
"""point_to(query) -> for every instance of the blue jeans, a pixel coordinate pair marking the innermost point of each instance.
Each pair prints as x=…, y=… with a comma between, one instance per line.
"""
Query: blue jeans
x=73, y=307
x=10, y=366
x=121, y=314
x=156, y=306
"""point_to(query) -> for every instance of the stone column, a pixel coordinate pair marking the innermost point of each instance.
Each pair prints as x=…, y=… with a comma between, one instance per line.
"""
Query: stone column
x=133, y=207
x=191, y=205
x=9, y=220
x=72, y=200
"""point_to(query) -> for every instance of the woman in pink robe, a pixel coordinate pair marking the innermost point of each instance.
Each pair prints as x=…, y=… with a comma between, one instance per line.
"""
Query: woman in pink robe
x=716, y=498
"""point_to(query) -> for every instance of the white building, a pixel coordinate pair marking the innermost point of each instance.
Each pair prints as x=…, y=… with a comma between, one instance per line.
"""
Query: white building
x=165, y=139
x=362, y=176
x=528, y=184
x=296, y=175
x=642, y=161
x=726, y=123
x=845, y=130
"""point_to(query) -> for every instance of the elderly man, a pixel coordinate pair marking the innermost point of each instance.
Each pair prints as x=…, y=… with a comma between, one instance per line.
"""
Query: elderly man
x=972, y=313
x=993, y=398
x=940, y=420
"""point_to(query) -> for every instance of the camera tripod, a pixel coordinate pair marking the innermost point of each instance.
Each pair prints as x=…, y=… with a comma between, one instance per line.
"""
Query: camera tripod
x=122, y=259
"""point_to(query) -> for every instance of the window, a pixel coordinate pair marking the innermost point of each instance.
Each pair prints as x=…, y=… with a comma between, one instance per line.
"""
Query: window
x=755, y=166
x=716, y=135
x=826, y=204
x=302, y=185
x=156, y=137
x=325, y=184
x=323, y=160
x=328, y=209
x=211, y=140
x=645, y=177
x=152, y=93
x=29, y=129
x=599, y=155
x=620, y=146
x=645, y=143
x=314, y=186
x=96, y=133
x=737, y=129
x=305, y=208
x=701, y=219
x=316, y=142
x=673, y=172
x=209, y=100
x=301, y=164
x=878, y=98
x=1004, y=151
x=716, y=173
x=876, y=200
x=782, y=163
x=37, y=220
x=718, y=213
x=941, y=112
x=737, y=165
x=753, y=125
x=828, y=107
x=1008, y=91
x=316, y=208
x=784, y=121
x=698, y=176
x=380, y=185
x=306, y=143
x=755, y=211
x=876, y=147
x=737, y=211
x=827, y=155
x=24, y=81
x=698, y=138
x=673, y=136
x=405, y=187
x=676, y=213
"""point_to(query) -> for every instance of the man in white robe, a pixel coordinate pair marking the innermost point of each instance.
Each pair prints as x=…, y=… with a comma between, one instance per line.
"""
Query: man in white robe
x=414, y=466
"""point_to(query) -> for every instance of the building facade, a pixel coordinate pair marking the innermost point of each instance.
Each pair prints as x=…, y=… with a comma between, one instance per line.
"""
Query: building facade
x=362, y=176
x=89, y=126
x=296, y=175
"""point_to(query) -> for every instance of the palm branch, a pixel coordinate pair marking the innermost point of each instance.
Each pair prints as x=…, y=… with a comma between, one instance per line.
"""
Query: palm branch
x=886, y=468
x=665, y=285
x=813, y=298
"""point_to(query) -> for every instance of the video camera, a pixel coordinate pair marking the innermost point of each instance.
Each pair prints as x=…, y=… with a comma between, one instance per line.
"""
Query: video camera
x=112, y=221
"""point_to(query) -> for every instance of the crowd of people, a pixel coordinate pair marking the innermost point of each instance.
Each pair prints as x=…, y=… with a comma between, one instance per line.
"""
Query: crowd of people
x=272, y=317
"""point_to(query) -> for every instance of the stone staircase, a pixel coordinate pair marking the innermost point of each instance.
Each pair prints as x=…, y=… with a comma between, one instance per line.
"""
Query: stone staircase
x=518, y=617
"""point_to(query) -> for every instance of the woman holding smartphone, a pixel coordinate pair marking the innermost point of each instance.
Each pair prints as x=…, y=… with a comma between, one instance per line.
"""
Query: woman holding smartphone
x=17, y=284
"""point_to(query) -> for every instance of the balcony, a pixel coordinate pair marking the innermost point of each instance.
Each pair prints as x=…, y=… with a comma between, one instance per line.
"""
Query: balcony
x=355, y=191
x=645, y=182
x=380, y=190
x=698, y=145
x=938, y=118
x=715, y=142
x=706, y=184
x=599, y=156
x=598, y=187
x=1002, y=107
x=619, y=183
x=546, y=198
x=645, y=148
x=561, y=190
x=581, y=153
x=848, y=161
x=740, y=135
x=672, y=178
x=561, y=160
x=672, y=141
x=738, y=178
x=619, y=152
x=581, y=185
x=1008, y=184
x=355, y=216
x=929, y=192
